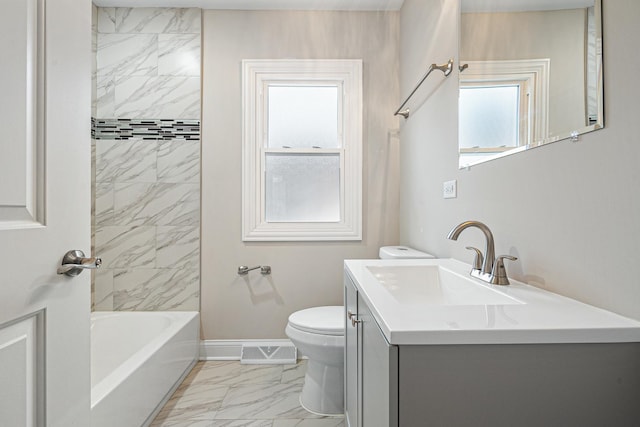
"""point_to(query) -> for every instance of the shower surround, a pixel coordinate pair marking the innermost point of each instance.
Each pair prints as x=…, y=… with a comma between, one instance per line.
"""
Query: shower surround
x=146, y=131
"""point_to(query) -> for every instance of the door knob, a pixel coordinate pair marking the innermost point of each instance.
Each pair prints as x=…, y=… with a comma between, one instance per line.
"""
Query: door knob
x=74, y=262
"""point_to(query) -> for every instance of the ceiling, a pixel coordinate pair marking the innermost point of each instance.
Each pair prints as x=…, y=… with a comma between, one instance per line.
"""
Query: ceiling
x=260, y=4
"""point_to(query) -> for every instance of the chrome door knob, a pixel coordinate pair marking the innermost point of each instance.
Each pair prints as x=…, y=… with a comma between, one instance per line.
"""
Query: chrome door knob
x=74, y=262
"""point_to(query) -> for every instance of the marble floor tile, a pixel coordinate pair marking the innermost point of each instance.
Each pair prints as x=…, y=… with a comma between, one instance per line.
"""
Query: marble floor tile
x=294, y=373
x=322, y=422
x=192, y=403
x=242, y=423
x=228, y=394
x=182, y=422
x=263, y=401
x=232, y=373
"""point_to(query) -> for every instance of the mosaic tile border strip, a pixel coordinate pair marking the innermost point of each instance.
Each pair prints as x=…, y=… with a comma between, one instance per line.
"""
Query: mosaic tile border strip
x=152, y=129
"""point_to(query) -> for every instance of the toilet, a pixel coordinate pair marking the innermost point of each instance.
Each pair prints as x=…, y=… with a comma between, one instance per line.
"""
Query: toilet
x=318, y=333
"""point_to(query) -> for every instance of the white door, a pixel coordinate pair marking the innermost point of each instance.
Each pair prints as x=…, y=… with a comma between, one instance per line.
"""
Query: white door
x=45, y=187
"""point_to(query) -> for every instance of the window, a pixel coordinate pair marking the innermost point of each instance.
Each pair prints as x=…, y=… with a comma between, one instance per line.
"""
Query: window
x=503, y=105
x=494, y=115
x=302, y=150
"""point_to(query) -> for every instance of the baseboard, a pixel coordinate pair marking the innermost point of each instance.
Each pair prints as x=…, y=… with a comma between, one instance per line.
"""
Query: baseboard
x=231, y=349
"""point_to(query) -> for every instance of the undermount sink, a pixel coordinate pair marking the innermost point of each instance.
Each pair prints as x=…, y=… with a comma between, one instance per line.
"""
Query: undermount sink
x=436, y=285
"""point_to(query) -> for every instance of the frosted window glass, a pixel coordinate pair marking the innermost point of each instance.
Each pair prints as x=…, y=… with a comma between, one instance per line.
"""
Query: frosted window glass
x=302, y=187
x=489, y=116
x=303, y=116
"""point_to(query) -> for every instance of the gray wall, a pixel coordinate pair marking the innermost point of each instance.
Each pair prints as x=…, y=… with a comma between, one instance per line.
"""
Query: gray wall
x=304, y=274
x=569, y=211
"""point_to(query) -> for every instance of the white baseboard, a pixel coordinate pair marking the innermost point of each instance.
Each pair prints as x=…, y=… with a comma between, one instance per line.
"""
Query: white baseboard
x=232, y=349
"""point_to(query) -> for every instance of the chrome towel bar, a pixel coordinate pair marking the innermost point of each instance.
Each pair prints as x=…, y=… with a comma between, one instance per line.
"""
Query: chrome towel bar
x=445, y=68
x=264, y=269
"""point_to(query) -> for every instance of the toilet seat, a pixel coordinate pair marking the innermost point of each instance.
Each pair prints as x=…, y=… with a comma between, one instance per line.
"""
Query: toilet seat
x=319, y=320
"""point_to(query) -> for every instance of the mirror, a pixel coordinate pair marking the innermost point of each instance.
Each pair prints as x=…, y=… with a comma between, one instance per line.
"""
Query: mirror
x=533, y=75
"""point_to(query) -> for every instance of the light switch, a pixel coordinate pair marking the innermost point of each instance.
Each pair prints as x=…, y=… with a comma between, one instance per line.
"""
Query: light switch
x=450, y=189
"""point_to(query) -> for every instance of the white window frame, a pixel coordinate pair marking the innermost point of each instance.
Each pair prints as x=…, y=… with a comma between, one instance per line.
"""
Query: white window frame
x=533, y=75
x=257, y=75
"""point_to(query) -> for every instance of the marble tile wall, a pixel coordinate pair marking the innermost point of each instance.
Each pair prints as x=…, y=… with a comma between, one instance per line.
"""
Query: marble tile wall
x=148, y=63
x=147, y=159
x=94, y=49
x=94, y=65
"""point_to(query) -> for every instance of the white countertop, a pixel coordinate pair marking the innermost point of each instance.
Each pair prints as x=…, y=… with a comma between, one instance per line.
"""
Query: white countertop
x=538, y=316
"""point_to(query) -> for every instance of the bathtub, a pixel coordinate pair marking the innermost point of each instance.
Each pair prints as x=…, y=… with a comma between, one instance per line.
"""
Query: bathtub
x=137, y=361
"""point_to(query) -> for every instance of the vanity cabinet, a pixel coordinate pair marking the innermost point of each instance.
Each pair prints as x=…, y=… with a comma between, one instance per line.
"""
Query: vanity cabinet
x=559, y=384
x=371, y=367
x=351, y=374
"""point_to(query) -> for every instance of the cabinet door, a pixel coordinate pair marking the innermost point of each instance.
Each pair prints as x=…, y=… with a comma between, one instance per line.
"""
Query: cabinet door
x=379, y=373
x=351, y=356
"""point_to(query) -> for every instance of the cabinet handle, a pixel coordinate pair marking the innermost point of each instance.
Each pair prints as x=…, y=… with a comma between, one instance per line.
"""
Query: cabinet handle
x=355, y=321
x=349, y=314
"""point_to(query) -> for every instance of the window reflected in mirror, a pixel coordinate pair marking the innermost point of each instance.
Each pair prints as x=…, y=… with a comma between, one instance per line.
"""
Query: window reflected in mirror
x=534, y=75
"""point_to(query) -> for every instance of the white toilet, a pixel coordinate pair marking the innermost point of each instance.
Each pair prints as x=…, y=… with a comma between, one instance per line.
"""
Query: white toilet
x=318, y=333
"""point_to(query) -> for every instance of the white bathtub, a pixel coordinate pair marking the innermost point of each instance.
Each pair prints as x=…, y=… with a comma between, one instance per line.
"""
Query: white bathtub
x=137, y=361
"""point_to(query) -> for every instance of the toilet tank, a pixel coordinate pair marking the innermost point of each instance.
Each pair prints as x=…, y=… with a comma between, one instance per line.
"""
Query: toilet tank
x=402, y=252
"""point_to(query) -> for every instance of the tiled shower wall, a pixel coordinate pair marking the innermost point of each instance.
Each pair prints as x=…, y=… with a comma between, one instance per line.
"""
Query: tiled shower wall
x=146, y=130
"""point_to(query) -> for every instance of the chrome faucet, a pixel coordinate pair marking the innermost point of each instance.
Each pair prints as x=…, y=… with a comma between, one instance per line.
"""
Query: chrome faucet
x=485, y=267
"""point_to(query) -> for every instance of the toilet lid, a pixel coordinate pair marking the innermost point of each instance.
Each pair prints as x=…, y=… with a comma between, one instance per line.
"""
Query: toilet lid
x=319, y=320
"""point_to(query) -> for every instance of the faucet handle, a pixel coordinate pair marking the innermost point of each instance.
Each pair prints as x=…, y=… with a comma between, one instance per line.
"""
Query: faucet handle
x=499, y=273
x=478, y=259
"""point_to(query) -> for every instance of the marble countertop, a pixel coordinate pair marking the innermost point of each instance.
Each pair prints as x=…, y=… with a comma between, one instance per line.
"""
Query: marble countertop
x=529, y=315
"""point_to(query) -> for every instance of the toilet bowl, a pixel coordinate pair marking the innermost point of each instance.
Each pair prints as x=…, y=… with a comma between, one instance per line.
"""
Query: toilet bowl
x=318, y=333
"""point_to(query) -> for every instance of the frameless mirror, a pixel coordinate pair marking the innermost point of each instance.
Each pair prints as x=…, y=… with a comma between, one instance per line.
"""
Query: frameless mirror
x=531, y=74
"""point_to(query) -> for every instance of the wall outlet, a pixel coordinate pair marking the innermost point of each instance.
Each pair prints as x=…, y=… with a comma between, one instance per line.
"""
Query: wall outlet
x=450, y=189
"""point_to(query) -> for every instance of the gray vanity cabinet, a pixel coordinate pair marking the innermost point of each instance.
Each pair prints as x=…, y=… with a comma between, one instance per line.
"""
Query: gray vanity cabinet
x=378, y=361
x=525, y=385
x=351, y=374
x=371, y=367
